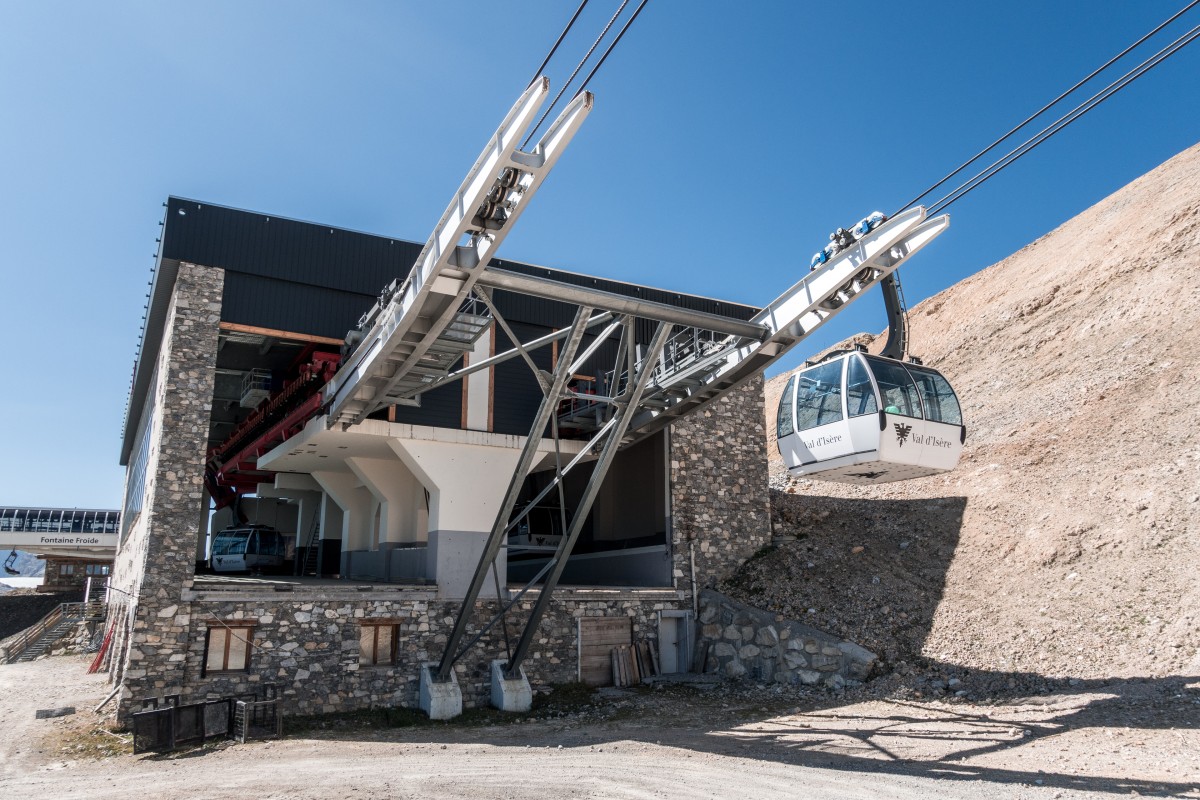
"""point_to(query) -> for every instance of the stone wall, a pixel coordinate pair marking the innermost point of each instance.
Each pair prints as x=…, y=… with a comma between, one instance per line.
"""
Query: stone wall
x=720, y=499
x=306, y=644
x=308, y=647
x=745, y=642
x=156, y=556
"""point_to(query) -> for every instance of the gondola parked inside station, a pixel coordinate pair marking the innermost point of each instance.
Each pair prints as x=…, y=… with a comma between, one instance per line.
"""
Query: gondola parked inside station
x=248, y=548
x=863, y=419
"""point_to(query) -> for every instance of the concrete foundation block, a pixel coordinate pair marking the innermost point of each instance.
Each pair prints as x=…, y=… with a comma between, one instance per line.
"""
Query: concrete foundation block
x=439, y=699
x=510, y=694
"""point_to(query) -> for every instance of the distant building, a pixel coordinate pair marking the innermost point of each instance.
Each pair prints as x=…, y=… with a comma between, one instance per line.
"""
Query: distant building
x=382, y=522
x=76, y=543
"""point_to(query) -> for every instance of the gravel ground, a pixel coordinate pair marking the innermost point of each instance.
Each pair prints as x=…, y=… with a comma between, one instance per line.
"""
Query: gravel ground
x=739, y=741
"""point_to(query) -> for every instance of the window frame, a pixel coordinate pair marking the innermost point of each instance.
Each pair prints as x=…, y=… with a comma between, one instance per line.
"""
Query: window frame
x=375, y=625
x=245, y=629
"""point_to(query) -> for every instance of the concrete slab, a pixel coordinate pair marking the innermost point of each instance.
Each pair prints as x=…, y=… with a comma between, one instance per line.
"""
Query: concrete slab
x=510, y=694
x=439, y=699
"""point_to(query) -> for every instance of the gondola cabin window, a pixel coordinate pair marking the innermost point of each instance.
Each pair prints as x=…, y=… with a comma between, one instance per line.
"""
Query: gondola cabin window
x=377, y=643
x=227, y=648
x=819, y=396
x=860, y=396
x=940, y=403
x=784, y=426
x=896, y=386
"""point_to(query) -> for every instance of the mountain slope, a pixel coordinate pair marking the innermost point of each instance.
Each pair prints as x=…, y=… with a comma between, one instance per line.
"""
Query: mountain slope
x=1065, y=543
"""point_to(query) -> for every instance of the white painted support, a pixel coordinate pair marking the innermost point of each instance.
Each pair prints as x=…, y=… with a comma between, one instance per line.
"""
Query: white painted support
x=202, y=528
x=358, y=510
x=478, y=385
x=466, y=483
x=510, y=694
x=403, y=517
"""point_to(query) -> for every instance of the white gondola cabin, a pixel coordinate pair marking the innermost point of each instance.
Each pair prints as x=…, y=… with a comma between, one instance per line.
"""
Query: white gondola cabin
x=857, y=418
x=248, y=548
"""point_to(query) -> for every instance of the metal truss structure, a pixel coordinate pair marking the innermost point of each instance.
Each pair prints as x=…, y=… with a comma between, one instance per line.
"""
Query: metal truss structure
x=419, y=329
x=415, y=335
x=692, y=359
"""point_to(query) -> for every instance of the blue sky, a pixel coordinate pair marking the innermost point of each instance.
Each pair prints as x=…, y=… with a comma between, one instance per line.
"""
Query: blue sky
x=726, y=141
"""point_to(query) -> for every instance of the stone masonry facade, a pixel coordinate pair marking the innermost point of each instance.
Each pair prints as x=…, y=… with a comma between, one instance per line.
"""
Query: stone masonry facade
x=720, y=499
x=156, y=557
x=307, y=648
x=740, y=641
x=305, y=644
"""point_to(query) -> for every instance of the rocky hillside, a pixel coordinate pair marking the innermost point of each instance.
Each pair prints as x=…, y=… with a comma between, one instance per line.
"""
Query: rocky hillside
x=1066, y=542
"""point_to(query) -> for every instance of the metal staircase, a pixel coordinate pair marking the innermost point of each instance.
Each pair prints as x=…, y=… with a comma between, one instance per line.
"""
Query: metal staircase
x=458, y=337
x=35, y=640
x=312, y=549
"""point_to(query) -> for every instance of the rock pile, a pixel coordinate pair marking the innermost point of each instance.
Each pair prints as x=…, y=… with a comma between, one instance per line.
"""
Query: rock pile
x=1064, y=545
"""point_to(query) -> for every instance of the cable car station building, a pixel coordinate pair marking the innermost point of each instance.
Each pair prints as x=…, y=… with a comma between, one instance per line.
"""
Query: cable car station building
x=383, y=522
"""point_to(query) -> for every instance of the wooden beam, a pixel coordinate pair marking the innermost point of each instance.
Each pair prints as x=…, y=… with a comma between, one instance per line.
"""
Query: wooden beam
x=235, y=327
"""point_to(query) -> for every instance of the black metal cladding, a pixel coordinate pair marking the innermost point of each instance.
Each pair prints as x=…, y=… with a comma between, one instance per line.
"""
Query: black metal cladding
x=284, y=249
x=441, y=408
x=305, y=278
x=294, y=307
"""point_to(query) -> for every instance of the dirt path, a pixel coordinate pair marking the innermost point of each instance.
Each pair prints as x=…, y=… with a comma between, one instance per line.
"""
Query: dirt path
x=730, y=742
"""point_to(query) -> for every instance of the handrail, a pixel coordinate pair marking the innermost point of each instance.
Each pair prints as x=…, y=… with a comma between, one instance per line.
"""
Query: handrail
x=22, y=641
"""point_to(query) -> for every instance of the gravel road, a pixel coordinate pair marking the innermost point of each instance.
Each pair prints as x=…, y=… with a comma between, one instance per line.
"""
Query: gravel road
x=745, y=742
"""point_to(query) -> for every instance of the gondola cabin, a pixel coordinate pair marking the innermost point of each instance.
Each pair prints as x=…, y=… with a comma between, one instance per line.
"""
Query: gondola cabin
x=863, y=419
x=248, y=548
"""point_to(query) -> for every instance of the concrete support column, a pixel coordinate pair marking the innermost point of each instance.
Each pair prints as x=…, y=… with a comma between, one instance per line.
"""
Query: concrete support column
x=358, y=514
x=202, y=529
x=403, y=517
x=466, y=484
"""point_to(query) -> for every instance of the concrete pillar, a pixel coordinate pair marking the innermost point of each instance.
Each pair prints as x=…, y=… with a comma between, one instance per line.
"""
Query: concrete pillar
x=358, y=514
x=403, y=516
x=466, y=483
x=202, y=530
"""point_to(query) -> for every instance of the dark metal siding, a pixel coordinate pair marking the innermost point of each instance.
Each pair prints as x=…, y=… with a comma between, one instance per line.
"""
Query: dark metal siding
x=293, y=307
x=441, y=408
x=304, y=254
x=301, y=252
x=516, y=394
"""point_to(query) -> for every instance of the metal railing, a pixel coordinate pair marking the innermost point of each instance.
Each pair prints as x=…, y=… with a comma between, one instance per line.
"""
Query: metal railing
x=16, y=646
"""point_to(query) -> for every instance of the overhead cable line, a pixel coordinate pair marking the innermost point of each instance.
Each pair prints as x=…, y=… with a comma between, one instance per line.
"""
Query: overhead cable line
x=1065, y=120
x=617, y=40
x=1052, y=103
x=562, y=36
x=578, y=67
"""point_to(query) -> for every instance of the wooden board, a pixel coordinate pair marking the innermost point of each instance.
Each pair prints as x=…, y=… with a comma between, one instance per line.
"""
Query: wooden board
x=597, y=637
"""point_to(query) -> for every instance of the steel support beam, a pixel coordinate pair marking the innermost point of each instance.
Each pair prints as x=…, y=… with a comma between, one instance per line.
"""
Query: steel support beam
x=621, y=304
x=499, y=530
x=483, y=210
x=627, y=405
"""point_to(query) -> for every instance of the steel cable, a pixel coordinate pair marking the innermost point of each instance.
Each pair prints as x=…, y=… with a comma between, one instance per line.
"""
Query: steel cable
x=1052, y=103
x=996, y=166
x=578, y=67
x=617, y=40
x=562, y=36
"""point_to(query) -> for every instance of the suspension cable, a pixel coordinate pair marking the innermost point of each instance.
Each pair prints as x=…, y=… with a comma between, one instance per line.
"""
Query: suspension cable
x=578, y=67
x=1052, y=103
x=979, y=178
x=562, y=36
x=617, y=40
